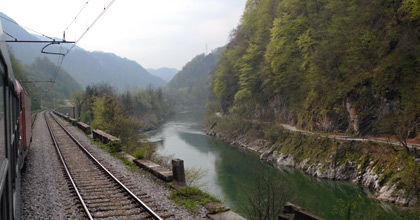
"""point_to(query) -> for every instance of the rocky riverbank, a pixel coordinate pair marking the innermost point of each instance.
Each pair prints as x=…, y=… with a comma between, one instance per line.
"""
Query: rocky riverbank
x=357, y=171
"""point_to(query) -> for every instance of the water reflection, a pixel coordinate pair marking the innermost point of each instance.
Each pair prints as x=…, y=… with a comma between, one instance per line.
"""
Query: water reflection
x=232, y=170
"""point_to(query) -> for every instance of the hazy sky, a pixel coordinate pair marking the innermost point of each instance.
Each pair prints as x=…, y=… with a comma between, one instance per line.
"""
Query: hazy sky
x=155, y=33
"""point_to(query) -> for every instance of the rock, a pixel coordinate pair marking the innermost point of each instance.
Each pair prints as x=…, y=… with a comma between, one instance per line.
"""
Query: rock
x=216, y=207
x=229, y=215
x=285, y=160
x=349, y=171
x=368, y=178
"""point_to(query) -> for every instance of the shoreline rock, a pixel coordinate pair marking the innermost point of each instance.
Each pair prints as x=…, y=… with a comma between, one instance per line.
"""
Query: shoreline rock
x=349, y=171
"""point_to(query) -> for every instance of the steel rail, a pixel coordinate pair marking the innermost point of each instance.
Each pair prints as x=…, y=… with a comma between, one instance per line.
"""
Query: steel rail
x=141, y=203
x=67, y=170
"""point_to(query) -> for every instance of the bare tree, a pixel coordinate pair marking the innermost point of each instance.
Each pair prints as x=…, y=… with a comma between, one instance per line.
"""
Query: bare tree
x=265, y=200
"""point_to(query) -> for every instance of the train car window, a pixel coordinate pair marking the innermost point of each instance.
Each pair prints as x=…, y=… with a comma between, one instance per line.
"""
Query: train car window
x=8, y=119
x=2, y=116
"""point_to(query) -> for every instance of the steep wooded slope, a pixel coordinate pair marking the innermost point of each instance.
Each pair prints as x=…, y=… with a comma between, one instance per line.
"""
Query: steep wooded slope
x=332, y=65
x=190, y=86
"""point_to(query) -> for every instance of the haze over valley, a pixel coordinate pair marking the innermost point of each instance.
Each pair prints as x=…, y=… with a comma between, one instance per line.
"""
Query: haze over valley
x=325, y=92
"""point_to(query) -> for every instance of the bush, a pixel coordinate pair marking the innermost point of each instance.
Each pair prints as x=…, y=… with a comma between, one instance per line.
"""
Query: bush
x=114, y=147
x=194, y=175
x=191, y=197
x=145, y=151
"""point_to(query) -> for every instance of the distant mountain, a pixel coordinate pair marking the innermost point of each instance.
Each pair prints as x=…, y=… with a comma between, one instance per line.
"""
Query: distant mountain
x=191, y=85
x=92, y=67
x=24, y=52
x=43, y=70
x=164, y=73
x=86, y=67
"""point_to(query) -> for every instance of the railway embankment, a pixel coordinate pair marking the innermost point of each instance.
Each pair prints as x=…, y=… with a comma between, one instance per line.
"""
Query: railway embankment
x=210, y=209
x=45, y=193
x=388, y=169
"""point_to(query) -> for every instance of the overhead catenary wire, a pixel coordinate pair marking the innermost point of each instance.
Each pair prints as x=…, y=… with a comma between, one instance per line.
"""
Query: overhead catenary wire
x=60, y=61
x=10, y=35
x=64, y=34
x=14, y=22
x=91, y=25
x=62, y=56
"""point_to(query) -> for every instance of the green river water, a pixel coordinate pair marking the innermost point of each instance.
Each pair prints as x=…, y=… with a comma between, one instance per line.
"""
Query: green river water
x=231, y=171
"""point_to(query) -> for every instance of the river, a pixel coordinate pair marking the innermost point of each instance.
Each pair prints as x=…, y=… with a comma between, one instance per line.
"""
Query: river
x=232, y=172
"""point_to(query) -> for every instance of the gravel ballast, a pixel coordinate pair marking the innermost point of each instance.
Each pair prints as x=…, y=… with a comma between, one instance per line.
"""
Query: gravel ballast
x=45, y=194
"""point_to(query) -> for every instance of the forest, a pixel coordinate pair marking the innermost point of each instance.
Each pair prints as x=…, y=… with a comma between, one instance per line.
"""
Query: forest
x=190, y=86
x=36, y=78
x=122, y=115
x=330, y=65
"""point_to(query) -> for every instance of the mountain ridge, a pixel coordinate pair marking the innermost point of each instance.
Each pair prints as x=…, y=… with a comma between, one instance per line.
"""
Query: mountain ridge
x=86, y=67
x=165, y=73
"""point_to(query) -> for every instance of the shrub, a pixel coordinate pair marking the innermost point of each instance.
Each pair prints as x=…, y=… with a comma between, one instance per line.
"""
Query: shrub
x=191, y=197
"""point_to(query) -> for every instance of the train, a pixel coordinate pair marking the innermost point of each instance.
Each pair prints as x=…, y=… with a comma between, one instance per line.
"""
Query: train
x=15, y=134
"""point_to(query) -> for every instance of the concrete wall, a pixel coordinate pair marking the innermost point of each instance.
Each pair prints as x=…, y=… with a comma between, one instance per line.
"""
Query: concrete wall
x=69, y=111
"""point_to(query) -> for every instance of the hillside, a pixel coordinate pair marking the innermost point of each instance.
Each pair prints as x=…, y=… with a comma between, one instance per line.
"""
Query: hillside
x=164, y=73
x=51, y=95
x=332, y=66
x=92, y=67
x=335, y=66
x=190, y=86
x=85, y=67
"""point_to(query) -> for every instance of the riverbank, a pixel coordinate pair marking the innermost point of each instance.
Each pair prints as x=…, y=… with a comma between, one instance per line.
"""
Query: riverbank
x=388, y=170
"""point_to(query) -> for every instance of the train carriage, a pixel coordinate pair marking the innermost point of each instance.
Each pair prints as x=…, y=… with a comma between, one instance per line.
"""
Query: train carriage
x=25, y=130
x=14, y=134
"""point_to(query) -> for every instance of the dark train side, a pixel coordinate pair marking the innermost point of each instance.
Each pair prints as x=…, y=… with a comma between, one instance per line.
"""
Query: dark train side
x=15, y=134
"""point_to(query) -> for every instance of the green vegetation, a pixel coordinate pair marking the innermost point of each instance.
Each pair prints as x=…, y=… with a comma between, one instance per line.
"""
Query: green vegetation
x=334, y=66
x=146, y=151
x=193, y=176
x=150, y=107
x=319, y=63
x=123, y=115
x=51, y=95
x=191, y=197
x=190, y=86
x=393, y=164
x=266, y=199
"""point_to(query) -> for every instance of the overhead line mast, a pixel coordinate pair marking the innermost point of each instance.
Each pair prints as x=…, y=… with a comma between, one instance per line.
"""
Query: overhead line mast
x=63, y=41
x=41, y=41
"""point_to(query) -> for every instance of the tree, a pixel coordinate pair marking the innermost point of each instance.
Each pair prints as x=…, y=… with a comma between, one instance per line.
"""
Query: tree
x=266, y=198
x=110, y=117
x=78, y=101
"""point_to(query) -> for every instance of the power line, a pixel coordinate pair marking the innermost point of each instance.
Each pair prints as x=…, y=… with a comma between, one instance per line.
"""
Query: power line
x=64, y=34
x=62, y=55
x=38, y=41
x=10, y=35
x=36, y=81
x=91, y=25
x=61, y=59
x=14, y=22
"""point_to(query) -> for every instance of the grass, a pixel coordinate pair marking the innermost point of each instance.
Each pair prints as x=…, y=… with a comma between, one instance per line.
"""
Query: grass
x=191, y=198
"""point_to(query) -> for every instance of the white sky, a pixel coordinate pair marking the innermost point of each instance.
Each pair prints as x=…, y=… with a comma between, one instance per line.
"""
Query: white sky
x=155, y=33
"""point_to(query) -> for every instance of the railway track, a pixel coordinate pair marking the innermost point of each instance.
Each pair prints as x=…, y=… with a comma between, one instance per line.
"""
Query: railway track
x=101, y=194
